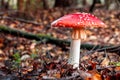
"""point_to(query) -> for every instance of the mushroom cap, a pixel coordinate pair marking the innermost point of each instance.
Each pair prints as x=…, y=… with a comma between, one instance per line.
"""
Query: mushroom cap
x=78, y=20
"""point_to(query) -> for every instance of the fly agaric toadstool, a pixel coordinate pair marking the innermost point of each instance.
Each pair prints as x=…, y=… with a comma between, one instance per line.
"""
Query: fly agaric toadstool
x=77, y=21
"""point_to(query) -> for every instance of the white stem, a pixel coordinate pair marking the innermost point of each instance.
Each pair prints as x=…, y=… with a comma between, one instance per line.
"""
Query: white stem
x=75, y=53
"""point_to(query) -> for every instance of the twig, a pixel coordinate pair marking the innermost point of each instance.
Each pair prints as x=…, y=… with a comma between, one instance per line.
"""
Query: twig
x=112, y=66
x=69, y=77
x=22, y=20
x=115, y=49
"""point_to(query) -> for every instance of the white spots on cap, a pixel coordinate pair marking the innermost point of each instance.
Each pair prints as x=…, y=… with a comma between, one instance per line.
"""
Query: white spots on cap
x=78, y=23
x=78, y=20
x=92, y=23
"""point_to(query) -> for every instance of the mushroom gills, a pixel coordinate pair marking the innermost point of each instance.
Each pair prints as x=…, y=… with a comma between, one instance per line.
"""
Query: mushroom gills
x=79, y=34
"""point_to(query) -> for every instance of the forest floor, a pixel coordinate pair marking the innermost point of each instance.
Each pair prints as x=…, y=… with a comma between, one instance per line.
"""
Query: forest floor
x=23, y=59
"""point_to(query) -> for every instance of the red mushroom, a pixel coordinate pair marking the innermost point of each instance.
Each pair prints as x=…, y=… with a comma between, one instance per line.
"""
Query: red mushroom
x=77, y=21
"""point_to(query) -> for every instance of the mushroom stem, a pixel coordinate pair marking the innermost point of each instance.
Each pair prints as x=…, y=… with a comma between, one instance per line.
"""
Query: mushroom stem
x=74, y=56
x=75, y=53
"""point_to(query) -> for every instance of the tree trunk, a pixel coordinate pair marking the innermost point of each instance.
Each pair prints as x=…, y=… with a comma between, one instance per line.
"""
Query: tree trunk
x=92, y=6
x=64, y=3
x=112, y=4
x=28, y=11
x=47, y=4
x=20, y=6
x=4, y=5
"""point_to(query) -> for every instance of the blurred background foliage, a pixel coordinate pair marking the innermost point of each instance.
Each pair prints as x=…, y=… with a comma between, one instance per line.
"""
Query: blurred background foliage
x=31, y=7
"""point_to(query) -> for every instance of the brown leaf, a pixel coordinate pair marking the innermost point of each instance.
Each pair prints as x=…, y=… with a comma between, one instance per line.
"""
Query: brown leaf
x=93, y=64
x=1, y=42
x=105, y=62
x=51, y=65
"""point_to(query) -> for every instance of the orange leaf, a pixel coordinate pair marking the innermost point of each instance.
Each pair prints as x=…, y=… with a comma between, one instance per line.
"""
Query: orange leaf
x=57, y=75
x=94, y=76
x=117, y=68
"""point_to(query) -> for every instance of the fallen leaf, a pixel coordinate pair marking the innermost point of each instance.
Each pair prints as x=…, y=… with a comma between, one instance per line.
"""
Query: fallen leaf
x=105, y=62
x=94, y=75
x=1, y=42
x=117, y=68
x=57, y=75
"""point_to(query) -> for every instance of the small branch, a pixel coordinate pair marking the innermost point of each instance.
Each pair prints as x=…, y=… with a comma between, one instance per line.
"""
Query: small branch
x=58, y=42
x=21, y=20
x=110, y=66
